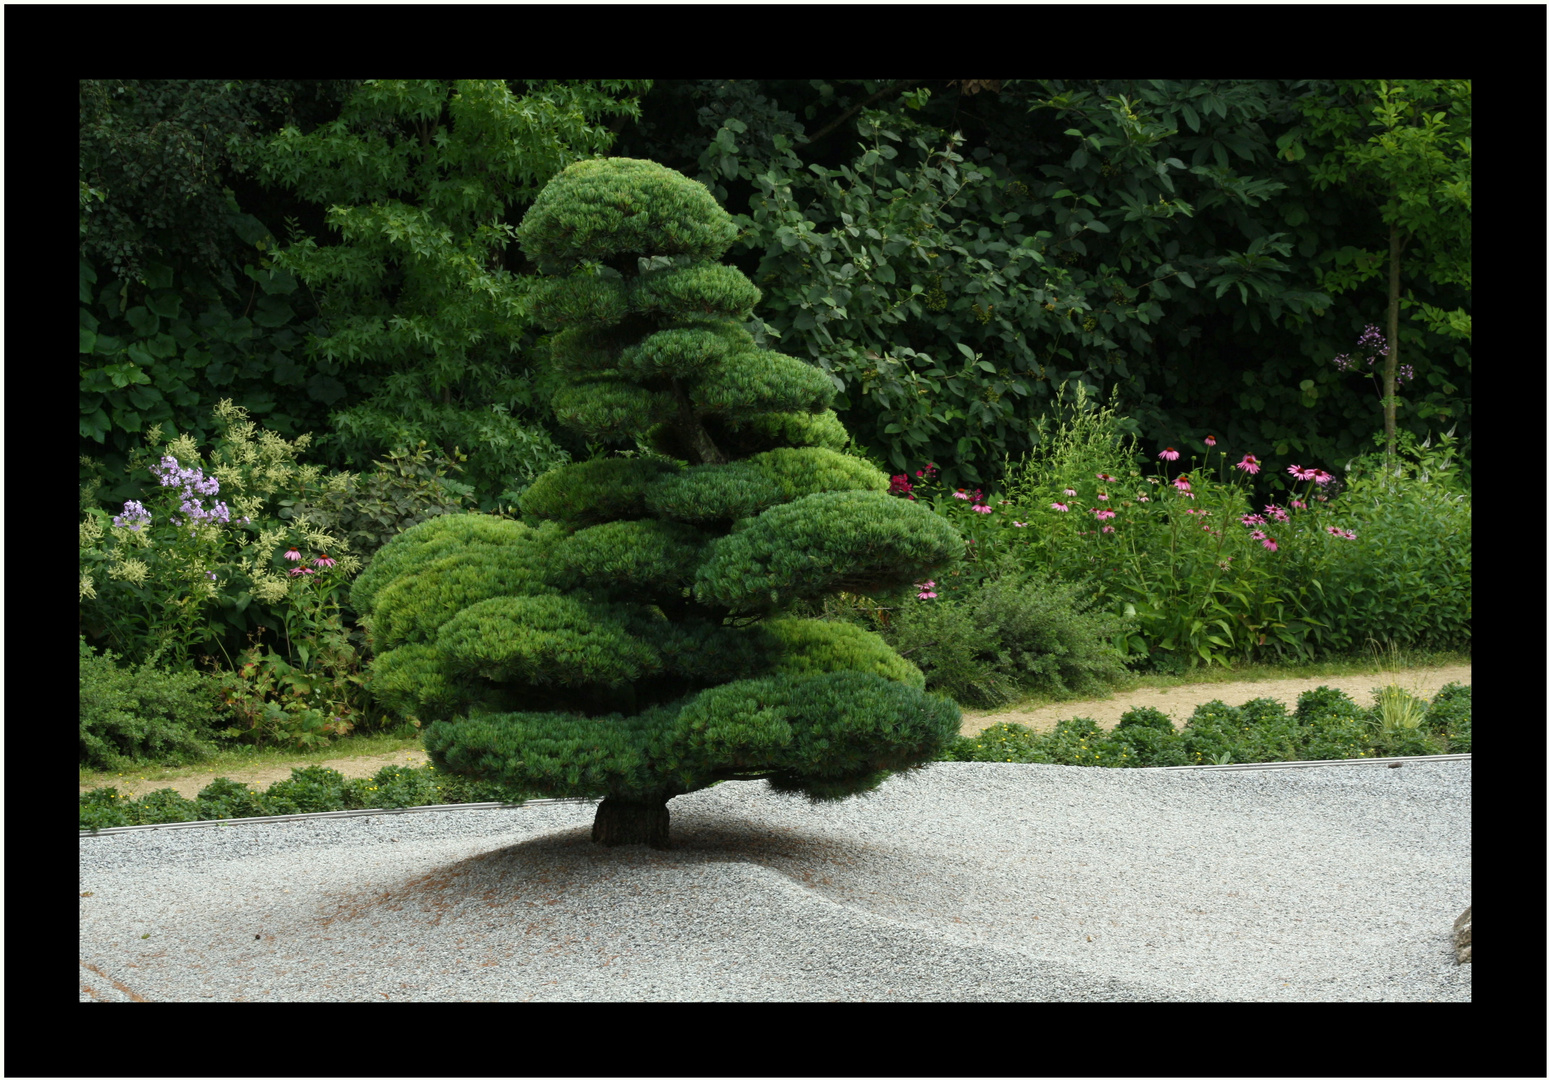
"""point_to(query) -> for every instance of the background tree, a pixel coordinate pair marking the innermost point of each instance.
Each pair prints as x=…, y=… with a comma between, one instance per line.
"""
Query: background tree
x=178, y=305
x=628, y=639
x=1407, y=145
x=418, y=300
x=950, y=251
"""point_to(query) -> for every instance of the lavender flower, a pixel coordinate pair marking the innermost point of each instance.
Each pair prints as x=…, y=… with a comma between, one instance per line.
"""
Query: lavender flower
x=133, y=517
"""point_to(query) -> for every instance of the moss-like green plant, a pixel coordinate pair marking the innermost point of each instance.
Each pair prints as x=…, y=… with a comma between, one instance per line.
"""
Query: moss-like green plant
x=638, y=643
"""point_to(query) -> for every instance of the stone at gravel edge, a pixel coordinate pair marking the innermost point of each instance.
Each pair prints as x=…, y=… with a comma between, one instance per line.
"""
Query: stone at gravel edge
x=1463, y=935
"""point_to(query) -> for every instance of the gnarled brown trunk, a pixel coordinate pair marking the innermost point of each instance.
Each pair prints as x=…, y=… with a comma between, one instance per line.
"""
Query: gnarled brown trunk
x=642, y=820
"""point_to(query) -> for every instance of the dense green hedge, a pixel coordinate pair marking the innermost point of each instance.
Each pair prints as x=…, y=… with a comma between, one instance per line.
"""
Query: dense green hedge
x=1326, y=725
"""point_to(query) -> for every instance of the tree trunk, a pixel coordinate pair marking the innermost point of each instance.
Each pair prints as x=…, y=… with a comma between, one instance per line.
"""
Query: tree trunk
x=1390, y=369
x=636, y=821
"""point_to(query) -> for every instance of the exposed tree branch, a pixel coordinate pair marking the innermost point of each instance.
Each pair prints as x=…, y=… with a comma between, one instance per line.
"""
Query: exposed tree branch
x=892, y=88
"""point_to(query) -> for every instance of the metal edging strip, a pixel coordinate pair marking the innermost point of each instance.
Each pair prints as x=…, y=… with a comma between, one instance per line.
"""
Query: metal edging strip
x=549, y=802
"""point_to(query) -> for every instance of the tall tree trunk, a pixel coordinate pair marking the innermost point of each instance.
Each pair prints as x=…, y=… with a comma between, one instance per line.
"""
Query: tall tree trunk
x=642, y=820
x=1390, y=369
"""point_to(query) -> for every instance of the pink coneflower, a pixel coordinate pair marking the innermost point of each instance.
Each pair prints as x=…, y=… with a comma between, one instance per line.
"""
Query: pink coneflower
x=1168, y=455
x=1269, y=542
x=293, y=555
x=1210, y=440
x=1103, y=495
x=1300, y=473
x=1105, y=478
x=1249, y=464
x=1323, y=477
x=1182, y=483
x=1020, y=524
x=298, y=571
x=1107, y=528
x=925, y=590
x=1275, y=512
x=1297, y=504
x=322, y=560
x=982, y=509
x=961, y=494
x=1060, y=507
x=1252, y=519
x=1103, y=515
x=1070, y=491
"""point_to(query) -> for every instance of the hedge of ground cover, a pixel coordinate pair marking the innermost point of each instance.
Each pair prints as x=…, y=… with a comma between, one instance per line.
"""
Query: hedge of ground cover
x=1325, y=726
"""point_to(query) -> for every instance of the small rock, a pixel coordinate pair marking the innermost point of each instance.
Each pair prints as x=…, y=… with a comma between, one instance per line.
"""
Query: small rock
x=1463, y=935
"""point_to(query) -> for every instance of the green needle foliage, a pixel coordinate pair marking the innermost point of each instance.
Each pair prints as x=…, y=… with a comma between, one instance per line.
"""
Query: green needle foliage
x=631, y=639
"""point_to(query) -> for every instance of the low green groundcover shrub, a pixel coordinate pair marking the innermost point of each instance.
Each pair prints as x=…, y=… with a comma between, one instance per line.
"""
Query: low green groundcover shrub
x=312, y=790
x=1326, y=726
x=144, y=714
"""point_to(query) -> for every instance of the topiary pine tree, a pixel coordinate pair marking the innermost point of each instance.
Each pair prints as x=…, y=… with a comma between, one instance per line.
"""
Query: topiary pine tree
x=635, y=643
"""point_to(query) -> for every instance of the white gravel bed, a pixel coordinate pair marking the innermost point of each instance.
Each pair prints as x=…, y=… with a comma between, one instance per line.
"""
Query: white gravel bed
x=962, y=882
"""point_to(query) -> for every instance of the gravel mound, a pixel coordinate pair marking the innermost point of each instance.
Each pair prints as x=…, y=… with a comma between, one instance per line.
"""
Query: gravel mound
x=962, y=882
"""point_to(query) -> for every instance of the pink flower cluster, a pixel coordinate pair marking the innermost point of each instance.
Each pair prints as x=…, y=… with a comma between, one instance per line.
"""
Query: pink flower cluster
x=294, y=555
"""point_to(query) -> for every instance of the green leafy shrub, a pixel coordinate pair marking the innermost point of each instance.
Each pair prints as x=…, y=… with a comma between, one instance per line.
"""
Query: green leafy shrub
x=958, y=656
x=1211, y=735
x=312, y=790
x=165, y=807
x=406, y=488
x=1451, y=715
x=1017, y=634
x=1079, y=741
x=106, y=808
x=398, y=786
x=1334, y=727
x=1408, y=579
x=224, y=798
x=1000, y=742
x=144, y=714
x=1146, y=738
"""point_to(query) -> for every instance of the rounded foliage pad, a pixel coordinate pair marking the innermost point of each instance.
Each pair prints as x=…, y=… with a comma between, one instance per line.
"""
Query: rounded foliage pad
x=604, y=207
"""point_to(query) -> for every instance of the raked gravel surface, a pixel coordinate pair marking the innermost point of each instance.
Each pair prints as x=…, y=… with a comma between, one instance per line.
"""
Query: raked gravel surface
x=960, y=882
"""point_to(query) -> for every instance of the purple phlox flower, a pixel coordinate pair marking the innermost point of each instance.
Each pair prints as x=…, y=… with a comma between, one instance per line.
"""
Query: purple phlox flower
x=133, y=517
